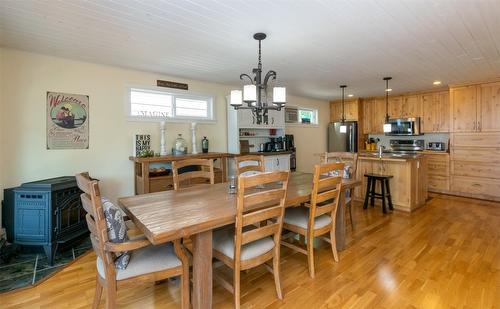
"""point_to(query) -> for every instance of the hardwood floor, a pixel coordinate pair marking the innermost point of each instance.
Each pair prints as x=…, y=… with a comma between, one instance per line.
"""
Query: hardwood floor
x=445, y=255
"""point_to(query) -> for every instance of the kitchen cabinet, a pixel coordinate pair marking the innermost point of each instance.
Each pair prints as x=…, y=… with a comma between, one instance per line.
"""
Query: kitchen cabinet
x=436, y=112
x=395, y=107
x=475, y=165
x=277, y=163
x=276, y=118
x=378, y=116
x=368, y=109
x=464, y=109
x=438, y=171
x=408, y=185
x=490, y=107
x=411, y=106
x=350, y=107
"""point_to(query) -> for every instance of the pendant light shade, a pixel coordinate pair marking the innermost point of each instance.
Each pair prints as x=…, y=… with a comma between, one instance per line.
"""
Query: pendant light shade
x=236, y=98
x=279, y=95
x=343, y=127
x=387, y=127
x=249, y=93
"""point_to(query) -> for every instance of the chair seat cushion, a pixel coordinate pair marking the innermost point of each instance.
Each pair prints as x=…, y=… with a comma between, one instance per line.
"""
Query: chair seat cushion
x=223, y=241
x=299, y=216
x=145, y=260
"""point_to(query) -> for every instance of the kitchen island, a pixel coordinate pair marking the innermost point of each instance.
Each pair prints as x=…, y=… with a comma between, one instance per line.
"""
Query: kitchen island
x=409, y=182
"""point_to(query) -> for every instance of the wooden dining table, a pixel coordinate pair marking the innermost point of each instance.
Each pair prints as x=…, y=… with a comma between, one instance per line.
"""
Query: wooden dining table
x=195, y=211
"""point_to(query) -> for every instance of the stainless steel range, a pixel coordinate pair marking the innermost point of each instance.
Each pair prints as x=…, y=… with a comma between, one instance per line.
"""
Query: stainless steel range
x=407, y=146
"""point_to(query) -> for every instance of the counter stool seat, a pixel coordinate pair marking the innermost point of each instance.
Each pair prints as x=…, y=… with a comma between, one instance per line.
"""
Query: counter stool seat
x=372, y=194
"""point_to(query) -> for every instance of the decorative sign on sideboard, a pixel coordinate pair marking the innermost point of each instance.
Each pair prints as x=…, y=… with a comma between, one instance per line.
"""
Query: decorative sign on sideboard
x=169, y=84
x=142, y=143
x=67, y=121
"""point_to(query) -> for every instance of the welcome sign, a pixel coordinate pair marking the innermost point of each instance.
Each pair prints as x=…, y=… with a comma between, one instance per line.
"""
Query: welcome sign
x=67, y=121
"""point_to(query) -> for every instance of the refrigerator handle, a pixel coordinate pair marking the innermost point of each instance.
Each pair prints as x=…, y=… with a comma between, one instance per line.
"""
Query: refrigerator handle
x=351, y=138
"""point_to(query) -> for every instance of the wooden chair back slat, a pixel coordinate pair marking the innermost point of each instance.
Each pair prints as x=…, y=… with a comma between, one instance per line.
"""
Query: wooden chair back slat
x=258, y=165
x=259, y=233
x=261, y=215
x=326, y=195
x=87, y=204
x=264, y=179
x=324, y=209
x=269, y=196
x=206, y=171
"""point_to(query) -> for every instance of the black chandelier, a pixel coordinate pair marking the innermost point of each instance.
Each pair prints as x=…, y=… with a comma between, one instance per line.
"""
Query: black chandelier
x=255, y=94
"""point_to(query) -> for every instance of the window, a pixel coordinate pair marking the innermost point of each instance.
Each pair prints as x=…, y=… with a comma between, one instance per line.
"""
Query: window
x=299, y=115
x=156, y=104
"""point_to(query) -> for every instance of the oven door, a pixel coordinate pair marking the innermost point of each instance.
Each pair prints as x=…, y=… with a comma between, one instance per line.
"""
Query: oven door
x=405, y=126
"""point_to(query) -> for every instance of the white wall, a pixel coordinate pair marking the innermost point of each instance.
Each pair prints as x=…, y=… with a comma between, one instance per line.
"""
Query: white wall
x=26, y=79
x=310, y=140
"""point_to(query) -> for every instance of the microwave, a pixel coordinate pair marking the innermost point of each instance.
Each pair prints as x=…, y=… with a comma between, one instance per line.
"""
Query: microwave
x=405, y=126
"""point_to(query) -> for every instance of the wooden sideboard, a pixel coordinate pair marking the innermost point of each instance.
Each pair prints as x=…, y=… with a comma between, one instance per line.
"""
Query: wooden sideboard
x=146, y=182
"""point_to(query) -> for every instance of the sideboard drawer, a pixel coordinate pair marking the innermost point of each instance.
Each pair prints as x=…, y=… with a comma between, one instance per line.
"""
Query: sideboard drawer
x=475, y=169
x=490, y=155
x=475, y=185
x=161, y=184
x=476, y=139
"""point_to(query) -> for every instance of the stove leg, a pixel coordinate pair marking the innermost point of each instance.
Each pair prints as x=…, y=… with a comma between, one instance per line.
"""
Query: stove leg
x=50, y=252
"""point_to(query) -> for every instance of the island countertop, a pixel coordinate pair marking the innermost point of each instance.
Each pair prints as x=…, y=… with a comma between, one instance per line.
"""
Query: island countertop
x=387, y=156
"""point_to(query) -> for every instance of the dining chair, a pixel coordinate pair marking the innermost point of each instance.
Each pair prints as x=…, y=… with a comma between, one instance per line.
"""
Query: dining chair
x=351, y=159
x=249, y=164
x=147, y=263
x=204, y=170
x=318, y=217
x=246, y=245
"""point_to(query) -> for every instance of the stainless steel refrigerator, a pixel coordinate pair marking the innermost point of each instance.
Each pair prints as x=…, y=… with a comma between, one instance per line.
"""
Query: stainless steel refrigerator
x=343, y=142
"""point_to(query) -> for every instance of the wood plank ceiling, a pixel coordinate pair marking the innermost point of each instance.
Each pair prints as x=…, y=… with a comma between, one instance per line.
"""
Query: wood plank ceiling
x=313, y=45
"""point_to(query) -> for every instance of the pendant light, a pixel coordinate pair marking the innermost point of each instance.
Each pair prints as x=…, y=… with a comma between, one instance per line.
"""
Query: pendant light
x=343, y=127
x=387, y=125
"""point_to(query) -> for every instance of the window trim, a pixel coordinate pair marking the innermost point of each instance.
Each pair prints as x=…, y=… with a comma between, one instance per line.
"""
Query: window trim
x=184, y=94
x=299, y=122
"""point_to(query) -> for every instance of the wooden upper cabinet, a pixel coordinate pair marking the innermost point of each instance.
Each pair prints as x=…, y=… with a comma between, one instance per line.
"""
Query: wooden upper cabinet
x=350, y=107
x=335, y=111
x=395, y=107
x=411, y=106
x=368, y=108
x=378, y=116
x=435, y=112
x=489, y=107
x=464, y=106
x=443, y=111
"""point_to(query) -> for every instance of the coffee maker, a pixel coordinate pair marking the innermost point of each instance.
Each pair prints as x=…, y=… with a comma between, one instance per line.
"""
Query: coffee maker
x=289, y=143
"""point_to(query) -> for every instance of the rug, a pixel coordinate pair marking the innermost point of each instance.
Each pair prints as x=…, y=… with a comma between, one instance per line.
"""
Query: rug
x=29, y=265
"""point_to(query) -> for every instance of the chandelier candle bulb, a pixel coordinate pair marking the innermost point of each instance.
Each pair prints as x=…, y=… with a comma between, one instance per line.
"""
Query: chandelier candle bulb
x=236, y=98
x=279, y=95
x=249, y=93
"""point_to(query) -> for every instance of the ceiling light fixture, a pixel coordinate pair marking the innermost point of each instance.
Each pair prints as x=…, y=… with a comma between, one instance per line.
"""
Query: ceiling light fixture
x=350, y=95
x=436, y=83
x=255, y=93
x=387, y=125
x=343, y=127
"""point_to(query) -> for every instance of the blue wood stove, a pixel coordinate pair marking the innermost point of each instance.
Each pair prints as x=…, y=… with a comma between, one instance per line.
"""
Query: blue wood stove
x=44, y=213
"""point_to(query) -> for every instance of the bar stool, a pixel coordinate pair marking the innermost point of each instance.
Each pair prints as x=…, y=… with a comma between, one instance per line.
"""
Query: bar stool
x=372, y=194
